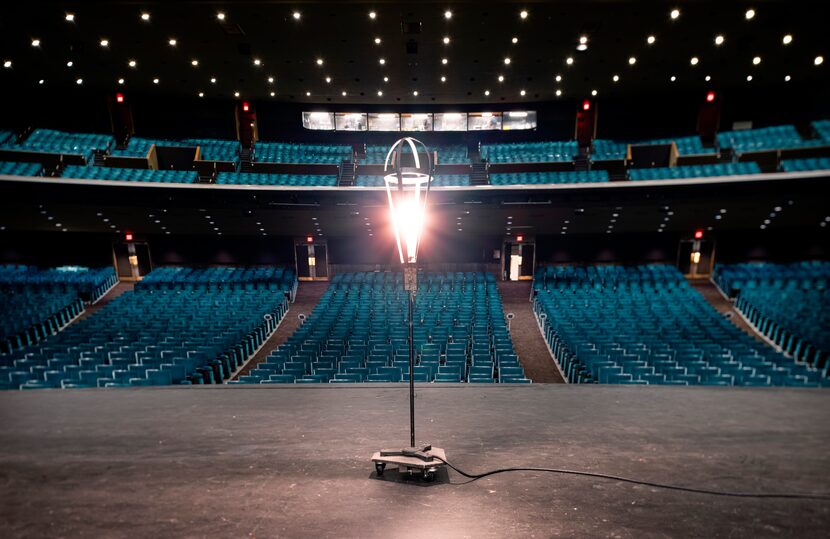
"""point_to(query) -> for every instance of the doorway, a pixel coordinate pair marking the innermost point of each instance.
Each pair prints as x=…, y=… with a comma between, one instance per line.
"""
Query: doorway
x=132, y=260
x=696, y=258
x=518, y=260
x=312, y=260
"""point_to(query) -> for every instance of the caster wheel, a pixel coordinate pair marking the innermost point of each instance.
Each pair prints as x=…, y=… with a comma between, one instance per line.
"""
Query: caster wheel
x=429, y=476
x=380, y=467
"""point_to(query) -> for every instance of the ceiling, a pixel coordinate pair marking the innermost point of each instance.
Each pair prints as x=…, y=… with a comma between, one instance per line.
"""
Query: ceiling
x=341, y=35
x=466, y=214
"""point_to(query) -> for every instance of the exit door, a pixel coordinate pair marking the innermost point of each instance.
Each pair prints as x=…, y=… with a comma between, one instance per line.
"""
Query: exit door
x=695, y=258
x=312, y=261
x=518, y=261
x=132, y=260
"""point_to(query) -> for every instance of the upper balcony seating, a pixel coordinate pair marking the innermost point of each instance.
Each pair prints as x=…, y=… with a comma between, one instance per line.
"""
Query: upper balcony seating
x=801, y=165
x=358, y=332
x=694, y=171
x=779, y=137
x=537, y=178
x=21, y=169
x=51, y=141
x=253, y=178
x=822, y=128
x=685, y=145
x=530, y=152
x=647, y=325
x=6, y=136
x=440, y=180
x=789, y=303
x=166, y=331
x=130, y=174
x=602, y=150
x=450, y=154
x=285, y=152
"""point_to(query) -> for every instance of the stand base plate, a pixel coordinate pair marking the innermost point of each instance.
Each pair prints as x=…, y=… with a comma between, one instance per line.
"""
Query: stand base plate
x=411, y=464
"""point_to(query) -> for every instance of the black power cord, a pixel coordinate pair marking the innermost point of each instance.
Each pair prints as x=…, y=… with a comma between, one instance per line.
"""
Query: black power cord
x=476, y=477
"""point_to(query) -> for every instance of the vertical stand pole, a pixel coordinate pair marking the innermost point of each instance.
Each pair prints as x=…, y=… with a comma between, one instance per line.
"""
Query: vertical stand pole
x=411, y=368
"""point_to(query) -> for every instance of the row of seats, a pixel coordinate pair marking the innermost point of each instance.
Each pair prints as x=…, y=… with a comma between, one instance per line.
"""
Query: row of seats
x=358, y=332
x=535, y=178
x=655, y=331
x=447, y=154
x=21, y=169
x=89, y=283
x=129, y=174
x=801, y=165
x=186, y=278
x=694, y=171
x=822, y=129
x=216, y=149
x=530, y=152
x=253, y=178
x=603, y=149
x=789, y=303
x=440, y=180
x=152, y=336
x=685, y=145
x=284, y=152
x=140, y=147
x=51, y=141
x=6, y=136
x=780, y=137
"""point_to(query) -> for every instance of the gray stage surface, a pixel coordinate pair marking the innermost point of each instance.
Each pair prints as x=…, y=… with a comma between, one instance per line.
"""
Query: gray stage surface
x=294, y=462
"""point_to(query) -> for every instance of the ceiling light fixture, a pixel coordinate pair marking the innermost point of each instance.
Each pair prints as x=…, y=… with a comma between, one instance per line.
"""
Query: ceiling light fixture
x=444, y=61
x=787, y=39
x=750, y=14
x=236, y=94
x=377, y=41
x=105, y=43
x=145, y=16
x=523, y=14
x=35, y=43
x=507, y=61
x=719, y=39
x=319, y=61
x=120, y=81
x=749, y=78
x=328, y=80
x=515, y=40
x=569, y=60
x=213, y=80
x=818, y=60
x=79, y=81
x=220, y=16
x=486, y=92
x=373, y=15
x=558, y=93
x=172, y=42
x=257, y=62
x=650, y=40
x=632, y=61
x=194, y=62
x=380, y=93
x=694, y=61
x=448, y=14
x=446, y=40
x=69, y=17
x=558, y=78
x=296, y=15
x=522, y=93
x=155, y=81
x=270, y=80
x=385, y=79
x=756, y=60
x=382, y=61
x=615, y=78
x=131, y=63
x=675, y=13
x=786, y=78
x=593, y=93
x=501, y=78
x=415, y=93
x=443, y=79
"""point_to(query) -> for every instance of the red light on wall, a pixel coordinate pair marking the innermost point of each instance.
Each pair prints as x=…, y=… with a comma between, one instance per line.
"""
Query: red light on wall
x=119, y=98
x=309, y=239
x=245, y=106
x=128, y=236
x=586, y=105
x=698, y=234
x=520, y=238
x=710, y=96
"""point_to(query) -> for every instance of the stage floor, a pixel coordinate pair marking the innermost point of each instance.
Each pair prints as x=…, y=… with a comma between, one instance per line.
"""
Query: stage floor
x=295, y=462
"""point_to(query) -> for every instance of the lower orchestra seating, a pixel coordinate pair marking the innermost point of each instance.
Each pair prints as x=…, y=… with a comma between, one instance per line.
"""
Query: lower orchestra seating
x=694, y=171
x=440, y=180
x=790, y=304
x=130, y=174
x=536, y=178
x=359, y=333
x=21, y=169
x=530, y=152
x=646, y=325
x=36, y=303
x=800, y=165
x=253, y=178
x=163, y=332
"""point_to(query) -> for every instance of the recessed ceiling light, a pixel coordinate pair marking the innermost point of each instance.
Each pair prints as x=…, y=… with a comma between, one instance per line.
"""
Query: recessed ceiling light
x=558, y=93
x=41, y=81
x=818, y=60
x=69, y=17
x=377, y=41
x=707, y=78
x=69, y=63
x=79, y=81
x=380, y=93
x=593, y=92
x=582, y=47
x=131, y=63
x=650, y=40
x=236, y=94
x=443, y=79
x=632, y=61
x=385, y=79
x=569, y=60
x=273, y=94
x=675, y=13
x=786, y=78
x=172, y=42
x=296, y=15
x=719, y=39
x=446, y=40
x=522, y=93
x=415, y=93
x=308, y=94
x=787, y=39
x=145, y=16
x=615, y=78
x=523, y=14
x=213, y=80
x=382, y=61
x=344, y=94
x=35, y=43
x=120, y=81
x=558, y=78
x=673, y=78
x=319, y=61
x=501, y=78
x=105, y=43
x=507, y=61
x=270, y=80
x=749, y=78
x=373, y=15
x=515, y=40
x=221, y=16
x=444, y=61
x=155, y=81
x=750, y=14
x=194, y=62
x=257, y=62
x=756, y=60
x=694, y=61
x=328, y=80
x=486, y=92
x=201, y=94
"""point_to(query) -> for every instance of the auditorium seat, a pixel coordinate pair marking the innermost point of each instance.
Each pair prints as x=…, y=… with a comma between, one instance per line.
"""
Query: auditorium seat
x=685, y=145
x=530, y=152
x=284, y=152
x=539, y=178
x=358, y=332
x=179, y=324
x=21, y=169
x=129, y=174
x=51, y=141
x=778, y=137
x=603, y=150
x=253, y=178
x=216, y=149
x=801, y=165
x=140, y=147
x=603, y=323
x=822, y=129
x=694, y=171
x=789, y=303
